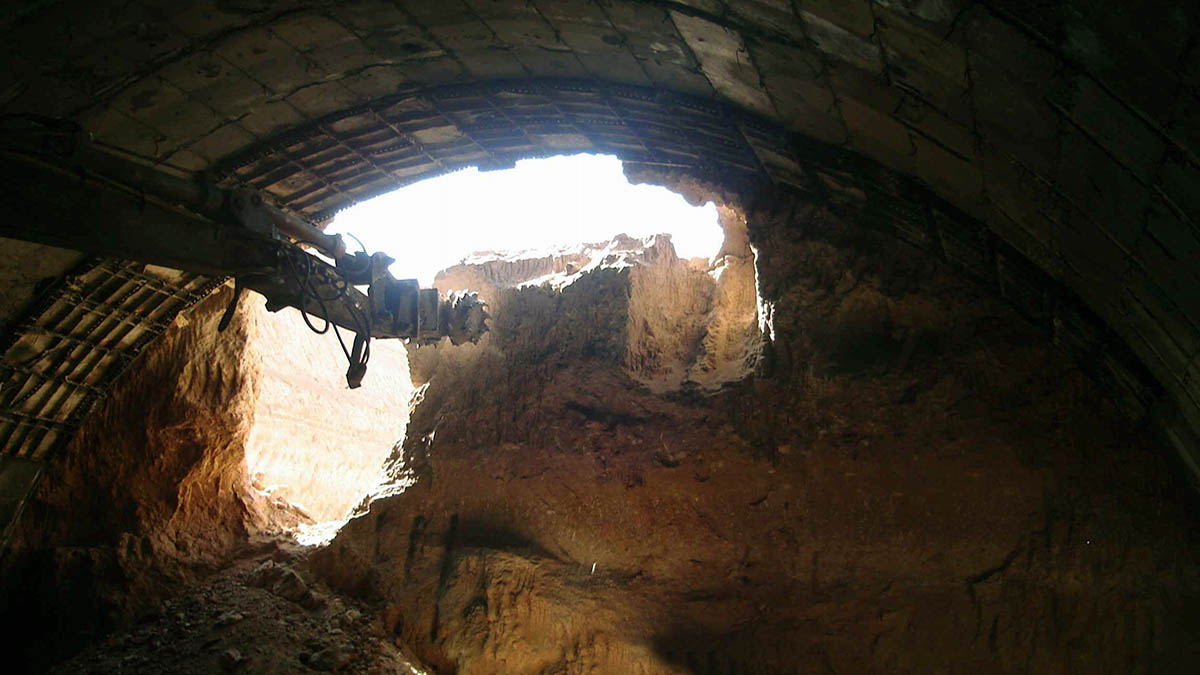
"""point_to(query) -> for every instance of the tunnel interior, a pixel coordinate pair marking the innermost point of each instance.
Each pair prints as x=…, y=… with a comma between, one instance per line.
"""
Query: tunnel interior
x=933, y=407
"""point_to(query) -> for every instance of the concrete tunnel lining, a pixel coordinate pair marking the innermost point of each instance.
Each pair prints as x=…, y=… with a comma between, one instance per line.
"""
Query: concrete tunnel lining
x=993, y=107
x=973, y=131
x=319, y=168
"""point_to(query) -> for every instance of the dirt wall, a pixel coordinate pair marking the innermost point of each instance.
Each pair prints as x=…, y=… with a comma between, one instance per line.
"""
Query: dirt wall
x=913, y=481
x=151, y=492
x=208, y=444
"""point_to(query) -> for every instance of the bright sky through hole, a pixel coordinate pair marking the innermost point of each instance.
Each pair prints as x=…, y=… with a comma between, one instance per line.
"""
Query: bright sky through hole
x=542, y=203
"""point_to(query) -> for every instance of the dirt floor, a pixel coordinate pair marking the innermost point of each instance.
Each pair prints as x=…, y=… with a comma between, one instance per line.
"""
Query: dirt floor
x=263, y=614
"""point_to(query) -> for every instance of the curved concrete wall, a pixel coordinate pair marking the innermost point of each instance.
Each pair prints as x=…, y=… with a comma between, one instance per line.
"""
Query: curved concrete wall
x=1063, y=131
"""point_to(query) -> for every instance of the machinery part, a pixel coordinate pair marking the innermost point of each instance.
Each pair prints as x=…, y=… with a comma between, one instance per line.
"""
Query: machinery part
x=238, y=289
x=463, y=317
x=258, y=216
x=358, y=361
x=64, y=191
x=304, y=232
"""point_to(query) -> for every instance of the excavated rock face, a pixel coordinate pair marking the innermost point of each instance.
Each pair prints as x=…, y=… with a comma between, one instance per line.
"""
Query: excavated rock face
x=688, y=323
x=912, y=481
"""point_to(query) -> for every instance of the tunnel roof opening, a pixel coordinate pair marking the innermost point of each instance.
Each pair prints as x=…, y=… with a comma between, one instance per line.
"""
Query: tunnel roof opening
x=325, y=456
x=534, y=208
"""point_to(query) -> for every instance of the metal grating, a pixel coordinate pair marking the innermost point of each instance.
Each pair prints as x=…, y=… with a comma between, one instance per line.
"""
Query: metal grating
x=341, y=159
x=81, y=335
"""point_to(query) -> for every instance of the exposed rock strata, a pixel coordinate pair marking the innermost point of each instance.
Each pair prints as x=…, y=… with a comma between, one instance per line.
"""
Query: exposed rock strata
x=915, y=481
x=688, y=323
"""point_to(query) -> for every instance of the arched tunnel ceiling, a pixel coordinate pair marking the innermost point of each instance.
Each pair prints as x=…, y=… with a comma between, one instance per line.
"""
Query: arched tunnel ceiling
x=1068, y=129
x=351, y=155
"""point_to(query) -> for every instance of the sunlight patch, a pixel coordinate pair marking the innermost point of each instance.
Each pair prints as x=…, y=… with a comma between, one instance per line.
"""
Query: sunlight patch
x=540, y=205
x=326, y=460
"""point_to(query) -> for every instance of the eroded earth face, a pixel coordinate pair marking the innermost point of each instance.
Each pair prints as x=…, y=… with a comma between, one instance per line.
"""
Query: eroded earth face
x=823, y=452
x=913, y=481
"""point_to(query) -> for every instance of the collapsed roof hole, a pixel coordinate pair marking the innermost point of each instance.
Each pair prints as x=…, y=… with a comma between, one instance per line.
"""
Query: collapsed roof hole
x=315, y=446
x=321, y=448
x=536, y=207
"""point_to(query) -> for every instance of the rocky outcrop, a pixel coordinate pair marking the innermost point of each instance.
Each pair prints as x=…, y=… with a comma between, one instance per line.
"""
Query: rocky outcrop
x=689, y=323
x=912, y=480
x=830, y=455
x=489, y=272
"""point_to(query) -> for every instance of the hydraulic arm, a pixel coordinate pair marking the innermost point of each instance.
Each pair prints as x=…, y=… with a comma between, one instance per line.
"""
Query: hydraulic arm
x=64, y=191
